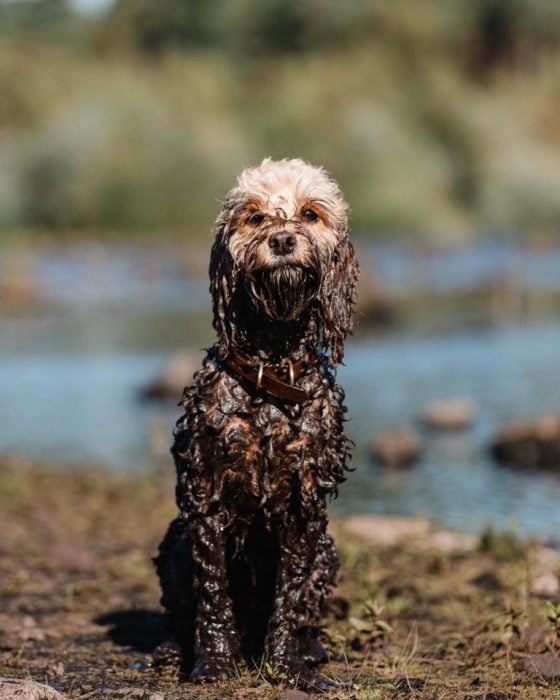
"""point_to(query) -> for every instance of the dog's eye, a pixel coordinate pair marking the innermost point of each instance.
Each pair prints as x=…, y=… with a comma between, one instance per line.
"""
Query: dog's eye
x=310, y=215
x=256, y=218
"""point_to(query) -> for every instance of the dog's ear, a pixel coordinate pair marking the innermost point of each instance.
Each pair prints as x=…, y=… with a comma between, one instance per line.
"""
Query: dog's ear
x=222, y=286
x=338, y=295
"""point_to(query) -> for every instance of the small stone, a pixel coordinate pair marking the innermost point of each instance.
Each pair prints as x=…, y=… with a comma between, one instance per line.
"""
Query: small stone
x=544, y=666
x=57, y=669
x=546, y=585
x=386, y=530
x=451, y=542
x=30, y=631
x=535, y=634
x=293, y=695
x=449, y=414
x=397, y=447
x=547, y=557
x=145, y=664
x=9, y=640
x=27, y=690
x=246, y=694
x=409, y=685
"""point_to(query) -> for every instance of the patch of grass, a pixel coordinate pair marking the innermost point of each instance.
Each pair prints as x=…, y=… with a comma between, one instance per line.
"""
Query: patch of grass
x=503, y=544
x=553, y=619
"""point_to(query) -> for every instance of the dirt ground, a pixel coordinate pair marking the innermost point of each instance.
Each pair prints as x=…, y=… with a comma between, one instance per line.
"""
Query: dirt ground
x=418, y=613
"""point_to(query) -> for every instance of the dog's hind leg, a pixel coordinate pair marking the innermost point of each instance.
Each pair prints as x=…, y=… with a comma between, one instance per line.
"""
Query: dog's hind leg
x=174, y=565
x=319, y=588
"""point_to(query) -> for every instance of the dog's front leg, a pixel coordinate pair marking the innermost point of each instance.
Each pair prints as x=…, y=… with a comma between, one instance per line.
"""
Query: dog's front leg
x=216, y=647
x=298, y=547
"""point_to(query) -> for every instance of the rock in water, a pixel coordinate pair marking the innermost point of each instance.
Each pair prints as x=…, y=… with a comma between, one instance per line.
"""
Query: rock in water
x=529, y=444
x=178, y=374
x=449, y=414
x=397, y=447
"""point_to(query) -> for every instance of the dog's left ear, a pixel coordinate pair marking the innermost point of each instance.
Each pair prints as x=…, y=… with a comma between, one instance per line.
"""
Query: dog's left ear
x=222, y=285
x=338, y=296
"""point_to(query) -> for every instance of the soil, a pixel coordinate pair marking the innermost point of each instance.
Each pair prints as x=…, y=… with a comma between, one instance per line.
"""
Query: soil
x=415, y=616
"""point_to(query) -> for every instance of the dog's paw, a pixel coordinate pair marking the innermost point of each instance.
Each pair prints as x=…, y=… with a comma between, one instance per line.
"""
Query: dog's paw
x=167, y=654
x=211, y=669
x=312, y=652
x=297, y=673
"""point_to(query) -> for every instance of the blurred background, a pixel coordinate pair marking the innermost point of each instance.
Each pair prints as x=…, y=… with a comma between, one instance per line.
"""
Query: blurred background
x=122, y=125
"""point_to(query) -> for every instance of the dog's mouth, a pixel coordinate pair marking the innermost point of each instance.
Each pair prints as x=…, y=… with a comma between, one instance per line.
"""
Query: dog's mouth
x=283, y=292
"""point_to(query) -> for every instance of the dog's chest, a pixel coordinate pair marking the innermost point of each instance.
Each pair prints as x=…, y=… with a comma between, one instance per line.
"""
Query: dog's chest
x=252, y=453
x=265, y=453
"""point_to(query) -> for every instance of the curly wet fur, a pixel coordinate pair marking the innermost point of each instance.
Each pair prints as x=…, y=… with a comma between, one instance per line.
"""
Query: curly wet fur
x=247, y=566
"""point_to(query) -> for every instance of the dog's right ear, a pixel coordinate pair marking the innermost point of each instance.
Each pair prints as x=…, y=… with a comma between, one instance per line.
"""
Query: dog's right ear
x=222, y=285
x=338, y=292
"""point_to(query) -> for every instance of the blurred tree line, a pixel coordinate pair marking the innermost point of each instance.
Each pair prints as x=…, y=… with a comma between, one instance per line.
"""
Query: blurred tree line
x=140, y=117
x=485, y=34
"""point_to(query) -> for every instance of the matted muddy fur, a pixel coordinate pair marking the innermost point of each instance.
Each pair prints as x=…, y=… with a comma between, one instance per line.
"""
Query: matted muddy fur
x=247, y=566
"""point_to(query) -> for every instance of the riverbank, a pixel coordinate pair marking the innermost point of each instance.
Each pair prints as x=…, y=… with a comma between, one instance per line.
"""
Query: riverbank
x=418, y=613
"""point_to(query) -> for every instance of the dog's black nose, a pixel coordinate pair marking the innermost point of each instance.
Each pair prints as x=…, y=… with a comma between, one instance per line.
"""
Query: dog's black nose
x=282, y=242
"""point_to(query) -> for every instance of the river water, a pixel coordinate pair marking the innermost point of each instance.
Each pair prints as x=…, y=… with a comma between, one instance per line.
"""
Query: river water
x=70, y=378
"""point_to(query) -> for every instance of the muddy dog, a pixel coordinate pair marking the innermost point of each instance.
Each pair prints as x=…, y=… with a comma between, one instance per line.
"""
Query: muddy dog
x=247, y=566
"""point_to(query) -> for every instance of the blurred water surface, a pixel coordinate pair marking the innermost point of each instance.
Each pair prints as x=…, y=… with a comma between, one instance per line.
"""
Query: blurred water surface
x=70, y=379
x=162, y=279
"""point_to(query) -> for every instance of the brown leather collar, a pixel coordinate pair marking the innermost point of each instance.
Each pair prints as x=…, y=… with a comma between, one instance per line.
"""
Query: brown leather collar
x=277, y=380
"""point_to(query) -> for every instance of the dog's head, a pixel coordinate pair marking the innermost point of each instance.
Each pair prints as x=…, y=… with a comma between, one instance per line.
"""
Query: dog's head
x=282, y=244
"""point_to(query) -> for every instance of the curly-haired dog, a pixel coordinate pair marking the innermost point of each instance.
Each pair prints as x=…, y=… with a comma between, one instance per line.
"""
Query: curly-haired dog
x=247, y=565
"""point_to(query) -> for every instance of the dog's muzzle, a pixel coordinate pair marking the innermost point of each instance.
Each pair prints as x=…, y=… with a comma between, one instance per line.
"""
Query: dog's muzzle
x=284, y=291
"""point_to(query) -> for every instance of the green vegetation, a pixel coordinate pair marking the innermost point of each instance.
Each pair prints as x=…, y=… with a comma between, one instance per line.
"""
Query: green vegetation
x=437, y=118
